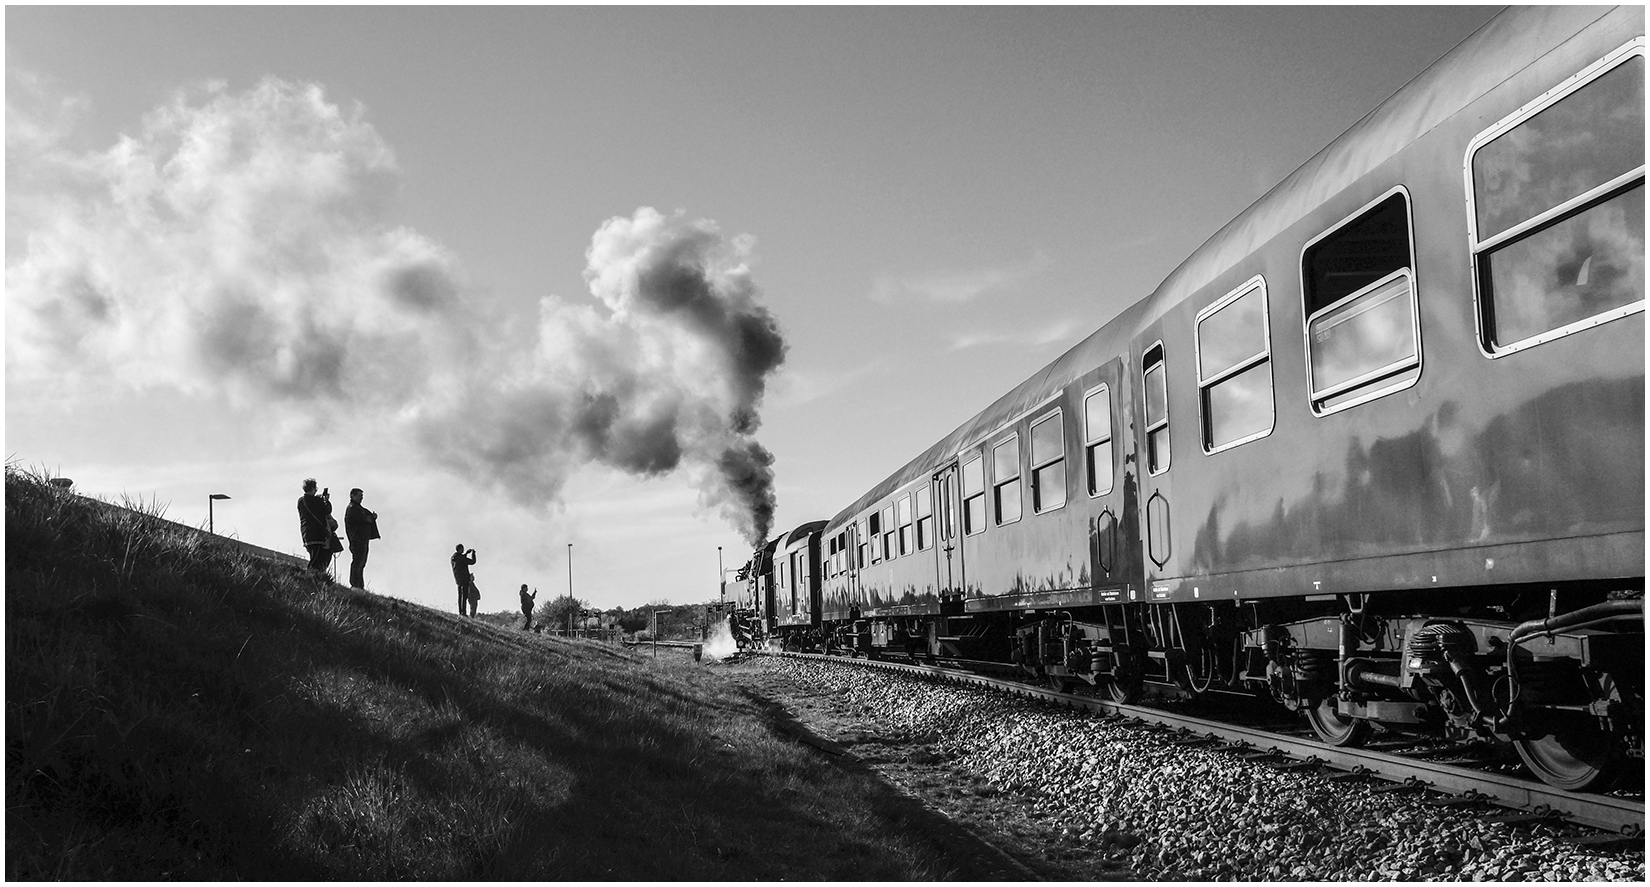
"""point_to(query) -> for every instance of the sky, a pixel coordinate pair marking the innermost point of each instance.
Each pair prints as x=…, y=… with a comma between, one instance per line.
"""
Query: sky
x=633, y=286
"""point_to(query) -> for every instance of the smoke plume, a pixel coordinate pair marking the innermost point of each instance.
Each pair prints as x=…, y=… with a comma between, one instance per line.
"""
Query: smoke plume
x=240, y=245
x=668, y=372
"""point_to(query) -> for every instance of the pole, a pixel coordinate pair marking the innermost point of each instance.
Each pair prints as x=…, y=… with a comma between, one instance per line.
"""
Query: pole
x=570, y=599
x=721, y=578
x=211, y=521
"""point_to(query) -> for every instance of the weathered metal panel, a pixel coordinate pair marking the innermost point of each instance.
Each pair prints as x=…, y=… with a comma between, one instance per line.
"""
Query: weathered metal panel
x=1507, y=462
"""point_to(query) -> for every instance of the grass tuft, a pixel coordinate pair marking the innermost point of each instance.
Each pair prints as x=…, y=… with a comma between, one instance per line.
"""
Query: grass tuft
x=177, y=708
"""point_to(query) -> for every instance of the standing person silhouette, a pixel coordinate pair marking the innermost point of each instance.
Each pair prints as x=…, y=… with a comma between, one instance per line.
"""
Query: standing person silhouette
x=527, y=607
x=461, y=575
x=314, y=524
x=361, y=526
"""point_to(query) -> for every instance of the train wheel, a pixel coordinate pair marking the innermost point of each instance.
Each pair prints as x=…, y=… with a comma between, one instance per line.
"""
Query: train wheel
x=1123, y=692
x=1059, y=683
x=1577, y=756
x=1336, y=730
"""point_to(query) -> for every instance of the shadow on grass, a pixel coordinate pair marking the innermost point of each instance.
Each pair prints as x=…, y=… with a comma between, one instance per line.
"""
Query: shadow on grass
x=176, y=709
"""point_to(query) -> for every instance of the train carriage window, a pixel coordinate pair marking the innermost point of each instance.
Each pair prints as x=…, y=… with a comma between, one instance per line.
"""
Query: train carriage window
x=973, y=492
x=1363, y=335
x=1234, y=373
x=888, y=552
x=1097, y=440
x=798, y=571
x=1005, y=477
x=1048, y=463
x=903, y=507
x=873, y=538
x=1154, y=378
x=1558, y=209
x=925, y=518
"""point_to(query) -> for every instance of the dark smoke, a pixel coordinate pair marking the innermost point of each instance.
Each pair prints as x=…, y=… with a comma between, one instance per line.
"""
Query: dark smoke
x=748, y=471
x=671, y=376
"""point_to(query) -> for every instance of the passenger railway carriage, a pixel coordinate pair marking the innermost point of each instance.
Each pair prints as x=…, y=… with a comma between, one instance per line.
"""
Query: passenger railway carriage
x=1375, y=449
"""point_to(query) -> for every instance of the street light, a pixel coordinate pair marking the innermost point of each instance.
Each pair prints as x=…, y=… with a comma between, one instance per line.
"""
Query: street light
x=721, y=578
x=211, y=526
x=570, y=608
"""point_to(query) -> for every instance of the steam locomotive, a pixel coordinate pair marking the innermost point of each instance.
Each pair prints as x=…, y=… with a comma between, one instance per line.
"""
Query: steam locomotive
x=1375, y=450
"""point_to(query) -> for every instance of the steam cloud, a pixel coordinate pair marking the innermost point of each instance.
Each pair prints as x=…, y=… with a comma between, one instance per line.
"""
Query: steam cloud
x=670, y=375
x=240, y=245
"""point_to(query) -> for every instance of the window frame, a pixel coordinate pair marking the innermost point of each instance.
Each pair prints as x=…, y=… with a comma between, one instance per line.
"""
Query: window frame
x=1057, y=414
x=1401, y=384
x=1161, y=366
x=962, y=487
x=1572, y=207
x=1094, y=490
x=996, y=485
x=889, y=531
x=1258, y=282
x=923, y=494
x=905, y=521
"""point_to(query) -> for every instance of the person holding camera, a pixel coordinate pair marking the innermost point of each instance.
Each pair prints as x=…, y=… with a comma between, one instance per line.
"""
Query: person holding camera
x=527, y=607
x=315, y=525
x=361, y=526
x=462, y=561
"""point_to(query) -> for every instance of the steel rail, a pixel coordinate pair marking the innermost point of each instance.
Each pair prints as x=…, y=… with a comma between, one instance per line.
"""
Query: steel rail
x=1536, y=799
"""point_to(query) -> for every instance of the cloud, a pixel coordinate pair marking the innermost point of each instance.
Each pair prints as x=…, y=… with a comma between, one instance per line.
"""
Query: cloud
x=236, y=244
x=1117, y=246
x=241, y=245
x=795, y=387
x=960, y=286
x=1059, y=331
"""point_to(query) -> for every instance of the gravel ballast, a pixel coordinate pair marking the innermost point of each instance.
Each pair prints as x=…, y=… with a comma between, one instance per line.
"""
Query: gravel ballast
x=1128, y=799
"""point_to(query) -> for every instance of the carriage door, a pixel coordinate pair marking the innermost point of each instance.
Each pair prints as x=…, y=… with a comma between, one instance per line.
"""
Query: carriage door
x=1155, y=400
x=950, y=561
x=852, y=558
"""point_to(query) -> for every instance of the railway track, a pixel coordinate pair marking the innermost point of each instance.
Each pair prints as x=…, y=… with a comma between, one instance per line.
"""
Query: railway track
x=1442, y=783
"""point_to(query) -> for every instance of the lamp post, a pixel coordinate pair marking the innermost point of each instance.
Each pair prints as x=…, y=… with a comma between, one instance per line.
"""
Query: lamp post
x=721, y=578
x=570, y=587
x=211, y=524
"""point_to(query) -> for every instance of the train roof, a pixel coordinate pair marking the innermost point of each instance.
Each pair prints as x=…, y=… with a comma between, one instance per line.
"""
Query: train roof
x=1497, y=50
x=804, y=531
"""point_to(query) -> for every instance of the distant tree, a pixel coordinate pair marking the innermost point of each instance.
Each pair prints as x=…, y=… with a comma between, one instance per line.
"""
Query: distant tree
x=553, y=614
x=630, y=621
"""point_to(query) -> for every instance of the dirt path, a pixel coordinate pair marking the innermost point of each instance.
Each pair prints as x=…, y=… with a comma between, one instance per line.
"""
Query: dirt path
x=1019, y=844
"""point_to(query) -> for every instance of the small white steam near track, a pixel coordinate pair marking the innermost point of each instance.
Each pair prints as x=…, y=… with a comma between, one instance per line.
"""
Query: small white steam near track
x=1202, y=814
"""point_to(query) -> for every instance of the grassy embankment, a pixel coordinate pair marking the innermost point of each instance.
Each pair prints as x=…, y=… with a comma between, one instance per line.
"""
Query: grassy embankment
x=177, y=709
